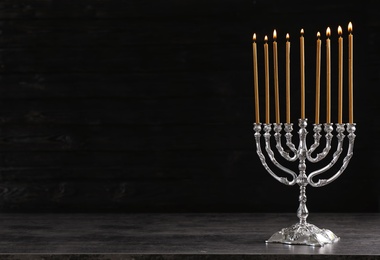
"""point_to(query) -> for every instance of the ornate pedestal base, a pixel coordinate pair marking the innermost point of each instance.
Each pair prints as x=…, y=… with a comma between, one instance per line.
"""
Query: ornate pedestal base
x=304, y=234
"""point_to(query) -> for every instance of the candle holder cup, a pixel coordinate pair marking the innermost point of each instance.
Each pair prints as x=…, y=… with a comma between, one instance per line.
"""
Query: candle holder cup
x=304, y=233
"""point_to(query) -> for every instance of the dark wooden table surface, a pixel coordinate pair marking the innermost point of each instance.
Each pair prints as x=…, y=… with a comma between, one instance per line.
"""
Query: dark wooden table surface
x=184, y=236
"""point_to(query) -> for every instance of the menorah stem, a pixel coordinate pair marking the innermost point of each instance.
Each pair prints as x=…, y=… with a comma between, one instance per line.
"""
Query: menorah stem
x=302, y=212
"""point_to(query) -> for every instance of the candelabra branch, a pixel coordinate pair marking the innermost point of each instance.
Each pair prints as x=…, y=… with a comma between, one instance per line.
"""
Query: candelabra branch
x=267, y=129
x=317, y=137
x=288, y=136
x=351, y=128
x=328, y=128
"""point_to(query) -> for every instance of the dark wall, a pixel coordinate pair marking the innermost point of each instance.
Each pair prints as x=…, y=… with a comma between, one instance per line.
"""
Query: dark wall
x=139, y=105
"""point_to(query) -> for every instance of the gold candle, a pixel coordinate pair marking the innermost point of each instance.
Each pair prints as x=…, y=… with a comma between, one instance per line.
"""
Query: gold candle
x=275, y=74
x=302, y=67
x=256, y=79
x=287, y=79
x=350, y=75
x=340, y=75
x=328, y=77
x=266, y=70
x=318, y=78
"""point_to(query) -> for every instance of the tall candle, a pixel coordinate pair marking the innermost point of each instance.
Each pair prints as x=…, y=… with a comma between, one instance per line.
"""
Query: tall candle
x=350, y=74
x=287, y=79
x=340, y=75
x=318, y=78
x=302, y=67
x=328, y=77
x=266, y=70
x=275, y=74
x=256, y=79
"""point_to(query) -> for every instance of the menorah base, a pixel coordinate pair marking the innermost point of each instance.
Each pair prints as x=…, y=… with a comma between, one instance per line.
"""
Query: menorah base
x=304, y=234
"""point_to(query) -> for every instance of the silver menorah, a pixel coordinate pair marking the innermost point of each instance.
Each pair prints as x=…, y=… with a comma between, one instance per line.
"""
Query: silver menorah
x=304, y=233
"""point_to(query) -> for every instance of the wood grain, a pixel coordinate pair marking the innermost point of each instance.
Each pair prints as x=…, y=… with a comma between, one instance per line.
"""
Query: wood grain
x=179, y=236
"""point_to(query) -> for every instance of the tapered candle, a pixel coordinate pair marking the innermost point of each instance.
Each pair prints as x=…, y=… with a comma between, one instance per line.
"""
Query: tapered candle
x=275, y=74
x=302, y=67
x=256, y=79
x=318, y=78
x=350, y=75
x=340, y=75
x=287, y=79
x=328, y=77
x=266, y=70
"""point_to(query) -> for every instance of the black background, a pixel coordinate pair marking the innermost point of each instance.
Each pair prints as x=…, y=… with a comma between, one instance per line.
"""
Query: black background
x=147, y=106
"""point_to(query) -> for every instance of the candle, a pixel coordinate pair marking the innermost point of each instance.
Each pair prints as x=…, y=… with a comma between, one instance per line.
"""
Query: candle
x=266, y=70
x=340, y=75
x=328, y=77
x=317, y=78
x=350, y=74
x=287, y=79
x=275, y=74
x=256, y=79
x=302, y=67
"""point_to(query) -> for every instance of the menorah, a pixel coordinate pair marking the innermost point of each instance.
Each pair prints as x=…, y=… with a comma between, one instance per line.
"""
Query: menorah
x=303, y=232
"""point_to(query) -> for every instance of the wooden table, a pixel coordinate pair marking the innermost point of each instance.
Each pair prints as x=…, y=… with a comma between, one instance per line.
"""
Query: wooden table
x=179, y=236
